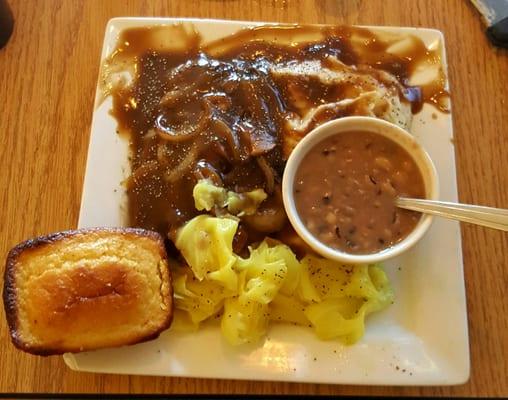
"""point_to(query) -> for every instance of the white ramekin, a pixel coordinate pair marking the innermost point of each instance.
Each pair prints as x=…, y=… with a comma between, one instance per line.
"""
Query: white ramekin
x=374, y=125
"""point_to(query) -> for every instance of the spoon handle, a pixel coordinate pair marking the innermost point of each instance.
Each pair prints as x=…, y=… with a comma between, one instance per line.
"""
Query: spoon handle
x=491, y=217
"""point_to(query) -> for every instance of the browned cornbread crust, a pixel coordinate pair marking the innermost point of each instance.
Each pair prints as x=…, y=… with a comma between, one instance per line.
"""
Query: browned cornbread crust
x=87, y=289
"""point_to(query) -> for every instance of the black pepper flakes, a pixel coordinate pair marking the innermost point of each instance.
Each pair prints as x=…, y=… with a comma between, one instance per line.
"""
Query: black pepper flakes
x=337, y=232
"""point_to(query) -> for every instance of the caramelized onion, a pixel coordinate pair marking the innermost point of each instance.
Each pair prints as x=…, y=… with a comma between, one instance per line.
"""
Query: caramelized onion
x=200, y=77
x=191, y=131
x=219, y=100
x=204, y=170
x=164, y=154
x=142, y=171
x=186, y=164
x=268, y=173
x=224, y=131
x=240, y=239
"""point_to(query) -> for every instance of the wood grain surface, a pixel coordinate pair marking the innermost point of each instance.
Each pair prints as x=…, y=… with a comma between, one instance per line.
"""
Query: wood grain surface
x=48, y=73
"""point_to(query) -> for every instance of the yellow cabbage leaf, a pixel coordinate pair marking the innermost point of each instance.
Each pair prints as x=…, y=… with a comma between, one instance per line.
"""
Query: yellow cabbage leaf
x=182, y=322
x=265, y=272
x=348, y=293
x=261, y=276
x=244, y=320
x=278, y=250
x=245, y=203
x=206, y=243
x=335, y=319
x=199, y=299
x=306, y=291
x=208, y=196
x=288, y=309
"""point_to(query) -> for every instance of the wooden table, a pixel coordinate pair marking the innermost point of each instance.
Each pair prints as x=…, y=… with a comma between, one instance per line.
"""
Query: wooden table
x=48, y=74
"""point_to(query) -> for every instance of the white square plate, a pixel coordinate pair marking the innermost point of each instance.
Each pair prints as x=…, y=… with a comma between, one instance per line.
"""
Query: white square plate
x=420, y=340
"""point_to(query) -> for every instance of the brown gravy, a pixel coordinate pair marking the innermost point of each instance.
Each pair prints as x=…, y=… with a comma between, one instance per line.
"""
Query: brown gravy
x=196, y=110
x=345, y=191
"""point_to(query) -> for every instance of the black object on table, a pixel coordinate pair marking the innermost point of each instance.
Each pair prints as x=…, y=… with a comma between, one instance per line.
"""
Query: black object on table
x=495, y=16
x=6, y=23
x=498, y=33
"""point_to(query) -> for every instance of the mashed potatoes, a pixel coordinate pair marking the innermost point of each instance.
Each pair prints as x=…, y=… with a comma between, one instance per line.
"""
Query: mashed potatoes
x=357, y=90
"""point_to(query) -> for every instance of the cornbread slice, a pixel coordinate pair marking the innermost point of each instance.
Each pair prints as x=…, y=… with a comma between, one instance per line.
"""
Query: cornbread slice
x=87, y=289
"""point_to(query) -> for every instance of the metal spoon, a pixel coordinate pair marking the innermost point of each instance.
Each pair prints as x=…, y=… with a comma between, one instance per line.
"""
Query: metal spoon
x=491, y=217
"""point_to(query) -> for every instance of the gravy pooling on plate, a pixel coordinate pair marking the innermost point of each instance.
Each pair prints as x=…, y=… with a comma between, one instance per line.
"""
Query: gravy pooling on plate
x=345, y=190
x=232, y=110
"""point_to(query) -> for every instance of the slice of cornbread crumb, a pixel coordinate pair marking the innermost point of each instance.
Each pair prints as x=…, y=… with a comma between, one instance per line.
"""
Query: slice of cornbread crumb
x=87, y=289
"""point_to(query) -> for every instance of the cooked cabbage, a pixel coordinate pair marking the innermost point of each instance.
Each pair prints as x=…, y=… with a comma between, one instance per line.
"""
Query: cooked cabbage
x=271, y=284
x=206, y=243
x=245, y=203
x=288, y=309
x=348, y=294
x=207, y=196
x=198, y=299
x=182, y=322
x=265, y=272
x=261, y=276
x=244, y=321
